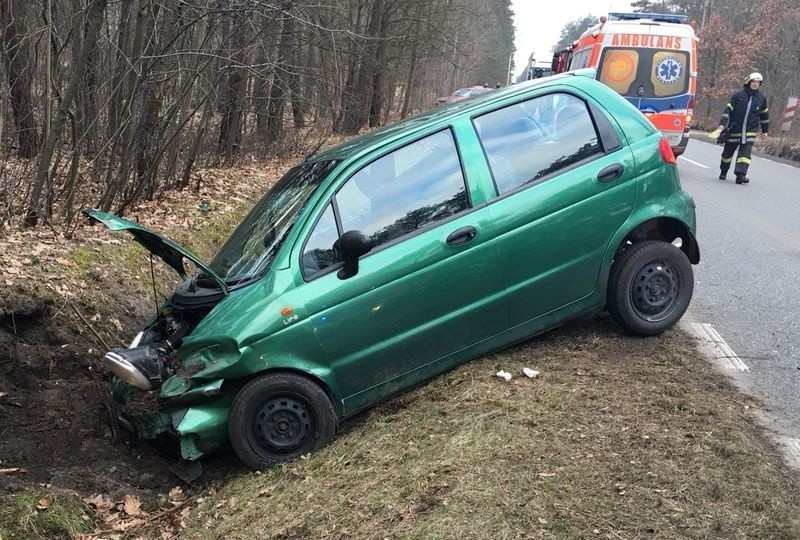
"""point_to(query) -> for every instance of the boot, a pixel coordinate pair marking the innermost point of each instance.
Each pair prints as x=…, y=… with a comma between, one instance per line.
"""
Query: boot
x=741, y=179
x=722, y=176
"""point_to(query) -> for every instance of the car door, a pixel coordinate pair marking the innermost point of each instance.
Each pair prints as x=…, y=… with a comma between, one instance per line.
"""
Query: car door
x=426, y=291
x=565, y=184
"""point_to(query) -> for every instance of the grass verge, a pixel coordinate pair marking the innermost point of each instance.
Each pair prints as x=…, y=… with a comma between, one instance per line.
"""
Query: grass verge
x=620, y=437
x=42, y=515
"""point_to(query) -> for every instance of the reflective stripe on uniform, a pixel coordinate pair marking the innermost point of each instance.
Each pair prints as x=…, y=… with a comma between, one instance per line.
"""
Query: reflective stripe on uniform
x=743, y=160
x=727, y=160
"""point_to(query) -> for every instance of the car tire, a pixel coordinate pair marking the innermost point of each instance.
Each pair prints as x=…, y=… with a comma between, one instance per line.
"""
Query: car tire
x=278, y=417
x=650, y=287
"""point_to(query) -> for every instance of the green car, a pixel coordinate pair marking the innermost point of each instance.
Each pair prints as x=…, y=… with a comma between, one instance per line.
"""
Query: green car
x=382, y=262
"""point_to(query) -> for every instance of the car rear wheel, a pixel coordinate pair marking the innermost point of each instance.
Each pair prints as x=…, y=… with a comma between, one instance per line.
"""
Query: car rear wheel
x=650, y=288
x=278, y=417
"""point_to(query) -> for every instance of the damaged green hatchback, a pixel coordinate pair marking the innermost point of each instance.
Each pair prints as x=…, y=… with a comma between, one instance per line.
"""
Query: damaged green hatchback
x=400, y=254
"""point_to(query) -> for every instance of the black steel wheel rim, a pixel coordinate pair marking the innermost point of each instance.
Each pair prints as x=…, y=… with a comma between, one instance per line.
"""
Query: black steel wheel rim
x=654, y=290
x=283, y=424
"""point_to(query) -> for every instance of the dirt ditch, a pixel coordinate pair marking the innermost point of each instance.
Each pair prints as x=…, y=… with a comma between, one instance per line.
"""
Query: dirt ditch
x=55, y=430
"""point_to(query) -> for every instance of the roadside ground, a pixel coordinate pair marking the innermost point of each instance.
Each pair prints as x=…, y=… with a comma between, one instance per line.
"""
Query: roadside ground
x=618, y=437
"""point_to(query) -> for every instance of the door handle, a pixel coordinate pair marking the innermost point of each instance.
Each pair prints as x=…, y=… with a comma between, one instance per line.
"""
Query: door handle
x=461, y=236
x=611, y=173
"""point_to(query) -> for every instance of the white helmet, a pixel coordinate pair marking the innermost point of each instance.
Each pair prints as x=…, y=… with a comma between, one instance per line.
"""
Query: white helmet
x=755, y=76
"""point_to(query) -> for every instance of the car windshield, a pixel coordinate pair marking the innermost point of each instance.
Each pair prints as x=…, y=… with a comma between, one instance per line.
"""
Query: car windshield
x=252, y=246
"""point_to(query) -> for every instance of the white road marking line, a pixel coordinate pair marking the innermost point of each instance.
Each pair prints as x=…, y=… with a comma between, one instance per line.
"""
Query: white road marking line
x=793, y=450
x=694, y=162
x=723, y=352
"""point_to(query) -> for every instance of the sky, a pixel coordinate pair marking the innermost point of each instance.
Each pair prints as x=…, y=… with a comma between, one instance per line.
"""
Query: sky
x=537, y=26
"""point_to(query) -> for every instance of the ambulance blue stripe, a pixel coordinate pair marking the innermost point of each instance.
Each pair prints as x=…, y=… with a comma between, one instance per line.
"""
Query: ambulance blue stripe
x=661, y=104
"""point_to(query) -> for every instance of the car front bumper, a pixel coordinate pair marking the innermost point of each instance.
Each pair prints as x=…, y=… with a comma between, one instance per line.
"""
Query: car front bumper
x=191, y=427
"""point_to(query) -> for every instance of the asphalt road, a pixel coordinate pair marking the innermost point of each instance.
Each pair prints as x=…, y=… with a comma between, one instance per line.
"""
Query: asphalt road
x=747, y=285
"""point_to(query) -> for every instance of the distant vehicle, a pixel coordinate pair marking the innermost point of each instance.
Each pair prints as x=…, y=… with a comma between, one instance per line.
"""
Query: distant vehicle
x=650, y=59
x=535, y=70
x=463, y=93
x=399, y=254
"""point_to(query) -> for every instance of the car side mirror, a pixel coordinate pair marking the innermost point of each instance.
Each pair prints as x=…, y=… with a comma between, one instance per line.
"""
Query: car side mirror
x=352, y=245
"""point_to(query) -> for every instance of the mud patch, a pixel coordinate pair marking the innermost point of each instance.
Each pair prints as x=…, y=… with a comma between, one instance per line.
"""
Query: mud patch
x=55, y=427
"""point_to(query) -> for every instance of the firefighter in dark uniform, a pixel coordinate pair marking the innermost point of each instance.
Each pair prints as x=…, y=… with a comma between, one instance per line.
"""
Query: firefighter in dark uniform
x=744, y=114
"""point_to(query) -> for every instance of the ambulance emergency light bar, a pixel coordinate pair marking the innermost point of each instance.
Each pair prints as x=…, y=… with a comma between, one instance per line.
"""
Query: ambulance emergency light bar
x=656, y=17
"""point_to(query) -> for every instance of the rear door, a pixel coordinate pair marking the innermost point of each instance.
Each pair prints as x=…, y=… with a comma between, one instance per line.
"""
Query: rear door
x=565, y=184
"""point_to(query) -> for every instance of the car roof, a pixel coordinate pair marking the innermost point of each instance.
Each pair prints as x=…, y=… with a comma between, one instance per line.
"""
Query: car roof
x=386, y=134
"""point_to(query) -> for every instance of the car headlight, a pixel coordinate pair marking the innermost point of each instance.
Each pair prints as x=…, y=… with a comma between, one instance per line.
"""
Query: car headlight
x=141, y=367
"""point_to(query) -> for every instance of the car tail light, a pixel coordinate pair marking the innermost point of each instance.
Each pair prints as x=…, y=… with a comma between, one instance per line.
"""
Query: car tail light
x=666, y=152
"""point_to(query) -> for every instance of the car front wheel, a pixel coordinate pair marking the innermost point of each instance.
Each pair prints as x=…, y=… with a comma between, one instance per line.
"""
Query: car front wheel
x=278, y=417
x=650, y=288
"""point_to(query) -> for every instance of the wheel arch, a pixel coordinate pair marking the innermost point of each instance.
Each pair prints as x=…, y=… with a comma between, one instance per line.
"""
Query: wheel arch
x=236, y=384
x=665, y=229
x=660, y=228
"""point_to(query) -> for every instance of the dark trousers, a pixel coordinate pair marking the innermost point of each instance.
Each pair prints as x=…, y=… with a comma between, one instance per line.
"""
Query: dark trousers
x=742, y=158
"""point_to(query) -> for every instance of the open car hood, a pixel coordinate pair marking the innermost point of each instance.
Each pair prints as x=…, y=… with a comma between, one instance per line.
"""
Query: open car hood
x=164, y=248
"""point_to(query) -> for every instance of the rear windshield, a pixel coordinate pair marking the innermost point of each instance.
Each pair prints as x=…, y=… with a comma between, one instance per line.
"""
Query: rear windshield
x=645, y=73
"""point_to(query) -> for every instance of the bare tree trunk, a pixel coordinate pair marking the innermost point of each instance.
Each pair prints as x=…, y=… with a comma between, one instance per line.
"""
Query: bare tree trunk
x=146, y=156
x=95, y=19
x=146, y=130
x=277, y=94
x=3, y=92
x=88, y=100
x=20, y=77
x=412, y=70
x=230, y=132
x=121, y=65
x=130, y=79
x=292, y=74
x=198, y=141
x=360, y=95
x=72, y=175
x=378, y=80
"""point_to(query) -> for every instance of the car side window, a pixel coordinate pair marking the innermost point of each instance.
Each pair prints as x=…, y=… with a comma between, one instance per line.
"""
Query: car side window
x=319, y=252
x=404, y=190
x=529, y=141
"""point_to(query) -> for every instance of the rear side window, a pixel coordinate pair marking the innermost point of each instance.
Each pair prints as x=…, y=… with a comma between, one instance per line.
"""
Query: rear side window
x=395, y=195
x=529, y=141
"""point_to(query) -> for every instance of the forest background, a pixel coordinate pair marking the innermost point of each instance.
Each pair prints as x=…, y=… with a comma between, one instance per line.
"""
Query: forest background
x=104, y=104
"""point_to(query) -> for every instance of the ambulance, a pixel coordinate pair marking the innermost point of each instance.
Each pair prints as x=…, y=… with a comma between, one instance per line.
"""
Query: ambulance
x=650, y=59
